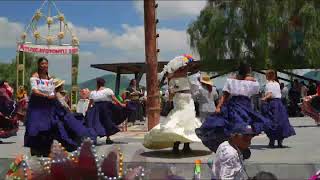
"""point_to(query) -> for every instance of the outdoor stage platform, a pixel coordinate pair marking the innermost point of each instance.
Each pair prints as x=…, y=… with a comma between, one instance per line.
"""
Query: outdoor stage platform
x=298, y=161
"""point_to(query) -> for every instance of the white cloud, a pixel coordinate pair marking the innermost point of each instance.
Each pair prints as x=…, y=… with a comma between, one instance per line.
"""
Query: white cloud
x=131, y=40
x=170, y=41
x=174, y=9
x=9, y=31
x=60, y=66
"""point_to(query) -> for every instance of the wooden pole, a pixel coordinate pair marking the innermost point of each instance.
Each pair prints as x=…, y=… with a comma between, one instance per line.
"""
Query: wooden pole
x=153, y=99
x=118, y=79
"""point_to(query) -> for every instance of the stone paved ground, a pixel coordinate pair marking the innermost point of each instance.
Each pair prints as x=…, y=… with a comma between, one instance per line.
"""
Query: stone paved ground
x=299, y=160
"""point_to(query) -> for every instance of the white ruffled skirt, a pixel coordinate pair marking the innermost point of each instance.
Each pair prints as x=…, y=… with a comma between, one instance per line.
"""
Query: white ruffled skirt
x=179, y=125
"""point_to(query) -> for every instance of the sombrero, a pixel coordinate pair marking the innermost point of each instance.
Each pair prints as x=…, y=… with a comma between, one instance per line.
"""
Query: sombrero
x=58, y=82
x=205, y=79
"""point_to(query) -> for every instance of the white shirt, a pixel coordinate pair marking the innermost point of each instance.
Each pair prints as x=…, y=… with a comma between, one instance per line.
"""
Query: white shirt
x=228, y=165
x=237, y=87
x=206, y=99
x=274, y=88
x=82, y=106
x=45, y=86
x=101, y=95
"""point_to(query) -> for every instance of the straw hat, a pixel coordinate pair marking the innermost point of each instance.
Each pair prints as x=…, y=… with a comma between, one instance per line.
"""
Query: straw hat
x=206, y=79
x=58, y=82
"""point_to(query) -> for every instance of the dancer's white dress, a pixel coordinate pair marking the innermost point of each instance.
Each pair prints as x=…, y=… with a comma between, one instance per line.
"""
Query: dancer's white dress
x=181, y=122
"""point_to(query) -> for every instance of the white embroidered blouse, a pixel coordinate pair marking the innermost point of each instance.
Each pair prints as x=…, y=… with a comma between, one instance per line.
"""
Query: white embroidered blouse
x=101, y=95
x=43, y=85
x=274, y=88
x=241, y=87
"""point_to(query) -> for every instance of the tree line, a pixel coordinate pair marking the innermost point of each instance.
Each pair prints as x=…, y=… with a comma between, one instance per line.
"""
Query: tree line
x=267, y=34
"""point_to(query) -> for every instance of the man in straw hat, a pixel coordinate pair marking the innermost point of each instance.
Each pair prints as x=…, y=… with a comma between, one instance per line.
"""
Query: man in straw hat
x=206, y=96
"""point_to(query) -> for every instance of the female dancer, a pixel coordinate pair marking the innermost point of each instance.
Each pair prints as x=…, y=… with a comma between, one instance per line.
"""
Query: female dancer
x=104, y=116
x=8, y=108
x=47, y=119
x=234, y=108
x=311, y=106
x=178, y=127
x=273, y=109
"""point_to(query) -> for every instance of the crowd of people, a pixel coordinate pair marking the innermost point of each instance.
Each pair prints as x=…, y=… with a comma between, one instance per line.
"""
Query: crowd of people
x=192, y=111
x=48, y=116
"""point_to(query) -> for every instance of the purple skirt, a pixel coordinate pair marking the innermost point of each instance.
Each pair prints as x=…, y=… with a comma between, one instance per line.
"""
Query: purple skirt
x=8, y=122
x=104, y=117
x=47, y=120
x=217, y=128
x=278, y=115
x=138, y=113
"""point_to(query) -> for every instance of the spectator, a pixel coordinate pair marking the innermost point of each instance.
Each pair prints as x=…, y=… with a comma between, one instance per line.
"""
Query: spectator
x=284, y=94
x=312, y=88
x=228, y=163
x=294, y=97
x=207, y=95
x=134, y=93
x=83, y=102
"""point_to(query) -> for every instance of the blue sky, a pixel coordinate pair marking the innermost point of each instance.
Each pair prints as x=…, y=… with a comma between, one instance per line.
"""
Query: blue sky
x=109, y=31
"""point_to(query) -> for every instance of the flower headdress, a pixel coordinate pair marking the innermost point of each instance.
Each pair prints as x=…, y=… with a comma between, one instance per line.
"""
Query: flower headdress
x=175, y=64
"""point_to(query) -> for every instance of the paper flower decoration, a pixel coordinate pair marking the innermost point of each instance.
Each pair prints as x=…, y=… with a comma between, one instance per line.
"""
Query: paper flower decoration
x=61, y=17
x=37, y=15
x=36, y=34
x=49, y=20
x=49, y=39
x=61, y=35
x=75, y=41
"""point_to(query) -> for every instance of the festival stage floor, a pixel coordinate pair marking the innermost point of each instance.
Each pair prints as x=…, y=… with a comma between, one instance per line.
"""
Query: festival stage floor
x=298, y=160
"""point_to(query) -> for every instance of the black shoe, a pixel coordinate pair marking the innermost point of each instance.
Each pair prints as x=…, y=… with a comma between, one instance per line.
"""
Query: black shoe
x=109, y=141
x=175, y=148
x=280, y=144
x=1, y=142
x=271, y=144
x=186, y=148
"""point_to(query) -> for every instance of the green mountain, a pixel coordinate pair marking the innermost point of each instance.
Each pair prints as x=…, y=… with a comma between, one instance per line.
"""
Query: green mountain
x=110, y=83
